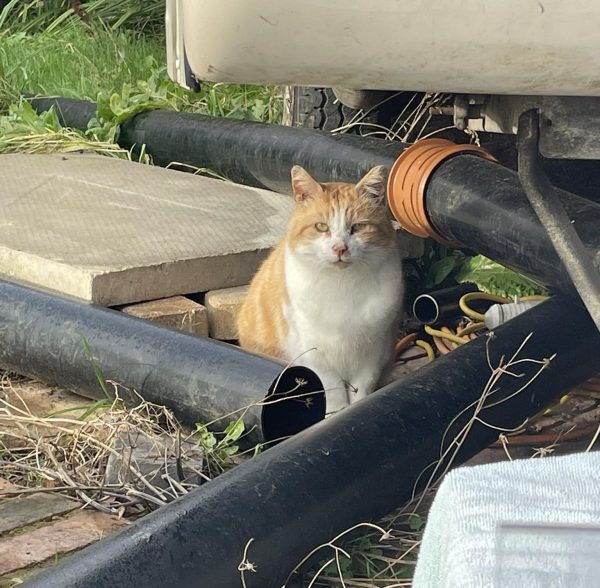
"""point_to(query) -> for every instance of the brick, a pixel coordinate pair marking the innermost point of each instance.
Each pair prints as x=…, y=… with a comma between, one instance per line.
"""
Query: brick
x=18, y=552
x=25, y=510
x=223, y=307
x=177, y=312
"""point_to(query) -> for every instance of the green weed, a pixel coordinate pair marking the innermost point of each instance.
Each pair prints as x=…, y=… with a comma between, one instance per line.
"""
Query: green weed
x=441, y=267
x=435, y=269
x=220, y=449
x=22, y=130
x=382, y=558
x=97, y=370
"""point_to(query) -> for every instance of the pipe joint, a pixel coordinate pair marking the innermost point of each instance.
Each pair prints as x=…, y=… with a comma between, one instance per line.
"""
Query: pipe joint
x=408, y=178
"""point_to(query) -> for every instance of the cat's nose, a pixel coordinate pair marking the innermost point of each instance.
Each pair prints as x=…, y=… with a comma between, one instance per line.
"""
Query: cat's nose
x=340, y=249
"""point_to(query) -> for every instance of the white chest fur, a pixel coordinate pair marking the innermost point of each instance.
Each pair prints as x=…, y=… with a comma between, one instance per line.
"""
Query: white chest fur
x=342, y=321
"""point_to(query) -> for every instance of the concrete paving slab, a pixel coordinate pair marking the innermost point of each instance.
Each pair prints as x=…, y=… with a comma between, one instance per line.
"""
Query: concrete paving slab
x=113, y=232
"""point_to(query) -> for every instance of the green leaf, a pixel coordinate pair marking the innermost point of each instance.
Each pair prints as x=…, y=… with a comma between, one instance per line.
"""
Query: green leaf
x=364, y=544
x=229, y=450
x=415, y=522
x=205, y=438
x=97, y=371
x=234, y=430
x=103, y=106
x=494, y=278
x=440, y=270
x=88, y=410
x=345, y=567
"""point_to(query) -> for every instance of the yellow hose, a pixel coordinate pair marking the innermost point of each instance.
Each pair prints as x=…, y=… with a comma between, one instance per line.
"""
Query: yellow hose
x=473, y=314
x=445, y=335
x=428, y=348
x=470, y=329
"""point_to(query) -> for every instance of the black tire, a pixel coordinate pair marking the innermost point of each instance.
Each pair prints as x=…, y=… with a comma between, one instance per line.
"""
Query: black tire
x=318, y=108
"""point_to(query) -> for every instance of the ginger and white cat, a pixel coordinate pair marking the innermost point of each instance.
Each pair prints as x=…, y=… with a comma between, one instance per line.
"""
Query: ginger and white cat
x=329, y=296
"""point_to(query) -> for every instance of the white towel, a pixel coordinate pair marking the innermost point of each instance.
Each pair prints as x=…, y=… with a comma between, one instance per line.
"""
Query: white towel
x=474, y=535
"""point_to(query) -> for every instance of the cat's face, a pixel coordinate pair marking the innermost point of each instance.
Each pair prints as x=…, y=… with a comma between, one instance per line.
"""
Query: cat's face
x=340, y=224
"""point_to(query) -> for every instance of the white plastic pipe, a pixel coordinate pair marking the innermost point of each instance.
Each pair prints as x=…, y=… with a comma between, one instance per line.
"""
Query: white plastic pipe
x=498, y=314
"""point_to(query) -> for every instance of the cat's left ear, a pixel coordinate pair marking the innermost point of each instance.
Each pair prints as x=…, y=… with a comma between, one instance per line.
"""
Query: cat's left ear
x=374, y=183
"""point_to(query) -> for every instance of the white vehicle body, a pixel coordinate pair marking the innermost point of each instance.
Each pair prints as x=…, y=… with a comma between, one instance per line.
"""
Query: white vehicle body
x=526, y=47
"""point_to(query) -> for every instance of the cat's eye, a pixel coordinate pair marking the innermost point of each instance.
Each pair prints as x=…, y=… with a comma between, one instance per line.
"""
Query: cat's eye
x=321, y=227
x=357, y=227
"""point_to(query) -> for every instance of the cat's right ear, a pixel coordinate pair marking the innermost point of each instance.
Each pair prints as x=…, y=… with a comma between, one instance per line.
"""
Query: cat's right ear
x=304, y=186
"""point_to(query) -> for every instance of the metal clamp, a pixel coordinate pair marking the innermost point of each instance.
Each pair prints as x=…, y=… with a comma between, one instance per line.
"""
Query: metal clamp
x=543, y=198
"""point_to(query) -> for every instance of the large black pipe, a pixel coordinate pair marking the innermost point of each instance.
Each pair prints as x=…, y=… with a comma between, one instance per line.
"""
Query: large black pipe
x=353, y=467
x=479, y=204
x=72, y=112
x=250, y=153
x=200, y=379
x=255, y=153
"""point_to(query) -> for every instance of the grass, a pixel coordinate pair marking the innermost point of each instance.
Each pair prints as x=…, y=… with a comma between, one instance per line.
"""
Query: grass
x=369, y=556
x=74, y=63
x=35, y=16
x=122, y=70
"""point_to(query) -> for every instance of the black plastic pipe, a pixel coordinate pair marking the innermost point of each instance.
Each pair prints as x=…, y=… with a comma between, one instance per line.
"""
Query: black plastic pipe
x=250, y=153
x=255, y=153
x=481, y=205
x=436, y=307
x=356, y=466
x=200, y=379
x=72, y=112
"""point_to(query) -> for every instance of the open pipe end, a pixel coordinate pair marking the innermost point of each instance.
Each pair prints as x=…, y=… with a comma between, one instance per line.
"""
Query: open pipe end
x=426, y=309
x=295, y=401
x=440, y=305
x=408, y=180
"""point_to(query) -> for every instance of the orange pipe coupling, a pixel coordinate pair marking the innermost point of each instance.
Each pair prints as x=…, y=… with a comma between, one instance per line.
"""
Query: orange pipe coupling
x=408, y=178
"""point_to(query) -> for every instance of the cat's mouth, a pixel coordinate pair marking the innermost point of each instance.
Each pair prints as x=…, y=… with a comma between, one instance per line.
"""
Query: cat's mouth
x=341, y=263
